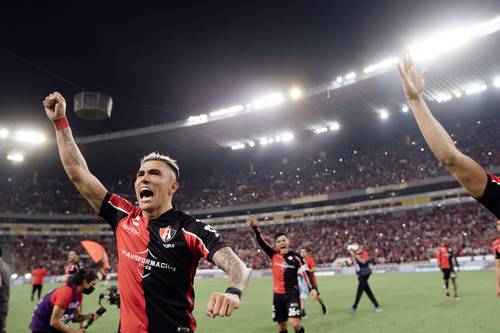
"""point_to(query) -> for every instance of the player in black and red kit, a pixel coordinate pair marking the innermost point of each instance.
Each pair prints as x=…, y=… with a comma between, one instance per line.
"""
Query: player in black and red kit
x=73, y=265
x=484, y=187
x=286, y=265
x=158, y=246
x=447, y=261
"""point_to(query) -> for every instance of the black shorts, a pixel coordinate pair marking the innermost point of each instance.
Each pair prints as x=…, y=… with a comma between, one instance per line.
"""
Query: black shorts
x=286, y=306
x=448, y=273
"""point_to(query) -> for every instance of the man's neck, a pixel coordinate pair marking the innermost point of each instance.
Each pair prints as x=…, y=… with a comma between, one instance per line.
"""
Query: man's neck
x=156, y=213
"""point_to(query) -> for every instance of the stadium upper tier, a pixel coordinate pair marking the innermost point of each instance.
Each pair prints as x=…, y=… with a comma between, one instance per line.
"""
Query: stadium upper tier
x=323, y=172
x=403, y=236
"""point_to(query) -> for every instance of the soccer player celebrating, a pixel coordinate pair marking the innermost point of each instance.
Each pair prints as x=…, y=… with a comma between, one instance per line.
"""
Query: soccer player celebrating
x=359, y=257
x=73, y=265
x=447, y=261
x=64, y=304
x=158, y=246
x=37, y=275
x=311, y=264
x=286, y=265
x=482, y=186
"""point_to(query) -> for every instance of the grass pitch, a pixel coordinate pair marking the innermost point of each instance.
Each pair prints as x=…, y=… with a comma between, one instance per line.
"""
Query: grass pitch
x=412, y=302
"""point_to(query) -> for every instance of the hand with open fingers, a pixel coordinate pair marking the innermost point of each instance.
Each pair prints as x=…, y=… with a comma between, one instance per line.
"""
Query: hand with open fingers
x=222, y=305
x=314, y=294
x=413, y=82
x=252, y=222
x=55, y=106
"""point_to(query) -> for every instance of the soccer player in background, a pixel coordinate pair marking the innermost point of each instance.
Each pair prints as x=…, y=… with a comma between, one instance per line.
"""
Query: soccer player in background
x=37, y=276
x=447, y=261
x=484, y=187
x=64, y=304
x=311, y=264
x=158, y=246
x=286, y=265
x=359, y=258
x=73, y=265
x=4, y=292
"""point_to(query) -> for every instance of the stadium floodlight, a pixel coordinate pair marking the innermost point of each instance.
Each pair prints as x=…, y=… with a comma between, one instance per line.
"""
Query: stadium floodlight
x=451, y=39
x=340, y=79
x=350, y=76
x=27, y=276
x=227, y=111
x=335, y=126
x=320, y=130
x=30, y=137
x=384, y=114
x=458, y=94
x=268, y=101
x=387, y=63
x=443, y=97
x=251, y=143
x=15, y=157
x=14, y=276
x=295, y=93
x=196, y=120
x=405, y=108
x=287, y=136
x=238, y=146
x=264, y=142
x=497, y=82
x=4, y=133
x=475, y=88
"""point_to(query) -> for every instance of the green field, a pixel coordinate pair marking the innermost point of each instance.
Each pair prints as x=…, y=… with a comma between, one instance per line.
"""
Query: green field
x=413, y=302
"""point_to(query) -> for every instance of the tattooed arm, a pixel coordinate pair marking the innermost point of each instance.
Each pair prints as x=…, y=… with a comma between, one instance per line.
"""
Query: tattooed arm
x=223, y=304
x=73, y=162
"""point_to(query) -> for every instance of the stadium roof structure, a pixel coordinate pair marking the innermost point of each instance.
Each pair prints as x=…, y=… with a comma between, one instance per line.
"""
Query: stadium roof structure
x=356, y=104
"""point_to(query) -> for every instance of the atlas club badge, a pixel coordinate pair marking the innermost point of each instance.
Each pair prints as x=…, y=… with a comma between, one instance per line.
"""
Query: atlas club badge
x=167, y=233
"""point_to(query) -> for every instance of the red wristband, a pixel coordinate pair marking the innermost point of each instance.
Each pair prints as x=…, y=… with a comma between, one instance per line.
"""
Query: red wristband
x=61, y=123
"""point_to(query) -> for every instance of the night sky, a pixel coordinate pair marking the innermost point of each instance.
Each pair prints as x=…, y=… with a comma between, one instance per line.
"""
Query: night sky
x=163, y=61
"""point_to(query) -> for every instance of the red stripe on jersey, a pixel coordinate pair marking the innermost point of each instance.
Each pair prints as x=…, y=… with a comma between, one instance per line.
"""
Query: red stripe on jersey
x=195, y=244
x=495, y=179
x=132, y=240
x=189, y=293
x=495, y=247
x=121, y=204
x=278, y=273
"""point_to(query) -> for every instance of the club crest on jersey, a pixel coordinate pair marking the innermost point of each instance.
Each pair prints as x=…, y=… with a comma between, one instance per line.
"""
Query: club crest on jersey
x=167, y=233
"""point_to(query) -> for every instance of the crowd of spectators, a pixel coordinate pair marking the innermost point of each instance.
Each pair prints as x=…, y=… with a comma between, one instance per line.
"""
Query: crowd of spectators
x=356, y=168
x=406, y=236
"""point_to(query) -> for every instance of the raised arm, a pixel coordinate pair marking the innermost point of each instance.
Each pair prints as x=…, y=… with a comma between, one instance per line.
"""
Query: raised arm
x=223, y=304
x=72, y=159
x=470, y=174
x=263, y=244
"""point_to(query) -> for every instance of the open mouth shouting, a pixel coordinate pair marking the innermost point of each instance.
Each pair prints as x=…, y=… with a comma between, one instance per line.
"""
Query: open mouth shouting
x=146, y=194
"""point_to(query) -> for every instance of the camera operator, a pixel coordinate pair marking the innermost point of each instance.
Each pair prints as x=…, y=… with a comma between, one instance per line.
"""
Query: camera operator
x=64, y=304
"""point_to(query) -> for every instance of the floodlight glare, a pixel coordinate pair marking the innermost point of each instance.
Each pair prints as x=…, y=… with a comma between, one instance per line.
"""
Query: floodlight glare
x=30, y=137
x=4, y=133
x=335, y=126
x=475, y=88
x=196, y=120
x=263, y=142
x=268, y=101
x=287, y=136
x=295, y=93
x=405, y=108
x=251, y=144
x=350, y=76
x=320, y=130
x=339, y=79
x=230, y=110
x=27, y=276
x=387, y=63
x=238, y=146
x=14, y=276
x=458, y=94
x=15, y=157
x=384, y=114
x=497, y=82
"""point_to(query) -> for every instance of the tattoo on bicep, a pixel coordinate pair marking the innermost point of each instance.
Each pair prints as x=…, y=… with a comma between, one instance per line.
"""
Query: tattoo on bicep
x=72, y=148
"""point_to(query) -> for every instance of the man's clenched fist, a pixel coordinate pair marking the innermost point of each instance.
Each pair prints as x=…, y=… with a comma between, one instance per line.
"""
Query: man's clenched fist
x=222, y=305
x=55, y=106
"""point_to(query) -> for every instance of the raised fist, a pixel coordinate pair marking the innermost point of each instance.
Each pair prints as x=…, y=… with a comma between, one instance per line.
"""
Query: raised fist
x=55, y=106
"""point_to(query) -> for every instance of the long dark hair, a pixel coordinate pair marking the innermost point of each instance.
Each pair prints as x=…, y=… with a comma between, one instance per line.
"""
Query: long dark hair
x=80, y=276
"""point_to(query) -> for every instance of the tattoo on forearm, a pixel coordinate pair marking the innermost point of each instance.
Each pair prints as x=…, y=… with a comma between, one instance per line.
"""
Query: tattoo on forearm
x=230, y=263
x=70, y=144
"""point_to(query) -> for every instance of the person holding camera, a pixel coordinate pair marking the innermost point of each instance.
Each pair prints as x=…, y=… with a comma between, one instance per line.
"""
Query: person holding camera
x=62, y=305
x=359, y=257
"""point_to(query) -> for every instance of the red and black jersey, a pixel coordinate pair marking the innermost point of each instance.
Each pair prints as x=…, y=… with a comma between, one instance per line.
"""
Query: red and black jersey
x=445, y=258
x=491, y=196
x=286, y=267
x=72, y=268
x=157, y=261
x=495, y=247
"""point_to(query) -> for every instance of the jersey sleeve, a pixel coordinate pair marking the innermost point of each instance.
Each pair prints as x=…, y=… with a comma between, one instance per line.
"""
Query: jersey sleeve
x=263, y=244
x=61, y=297
x=203, y=239
x=303, y=269
x=496, y=248
x=491, y=196
x=310, y=262
x=114, y=208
